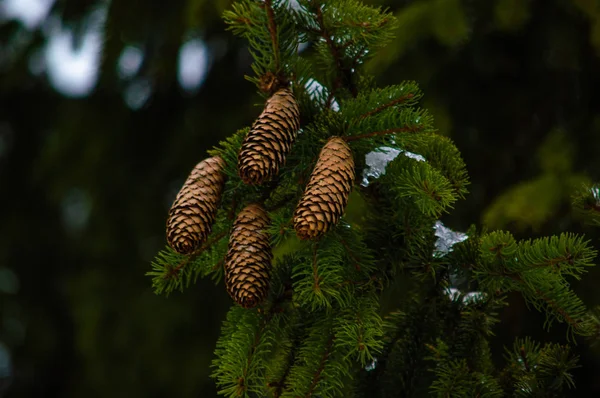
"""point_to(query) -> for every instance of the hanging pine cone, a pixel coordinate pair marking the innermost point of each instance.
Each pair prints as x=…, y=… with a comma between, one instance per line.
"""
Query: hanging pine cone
x=326, y=194
x=269, y=141
x=195, y=207
x=248, y=260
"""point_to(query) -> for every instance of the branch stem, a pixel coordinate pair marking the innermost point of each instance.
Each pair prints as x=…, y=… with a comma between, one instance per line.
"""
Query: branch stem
x=273, y=32
x=174, y=272
x=383, y=132
x=317, y=375
x=344, y=76
x=385, y=106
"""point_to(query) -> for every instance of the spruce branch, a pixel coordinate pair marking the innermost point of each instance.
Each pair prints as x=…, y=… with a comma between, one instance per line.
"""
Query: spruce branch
x=270, y=30
x=567, y=254
x=420, y=186
x=173, y=271
x=441, y=153
x=319, y=371
x=359, y=330
x=408, y=129
x=281, y=384
x=392, y=103
x=373, y=101
x=511, y=266
x=533, y=370
x=586, y=202
x=247, y=340
x=320, y=366
x=273, y=33
x=344, y=75
x=321, y=322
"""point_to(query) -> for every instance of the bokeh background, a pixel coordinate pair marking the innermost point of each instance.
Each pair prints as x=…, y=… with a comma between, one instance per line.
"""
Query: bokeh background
x=105, y=106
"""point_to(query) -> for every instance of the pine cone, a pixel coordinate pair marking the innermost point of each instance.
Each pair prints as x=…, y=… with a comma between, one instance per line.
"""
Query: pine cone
x=195, y=207
x=248, y=260
x=264, y=149
x=326, y=194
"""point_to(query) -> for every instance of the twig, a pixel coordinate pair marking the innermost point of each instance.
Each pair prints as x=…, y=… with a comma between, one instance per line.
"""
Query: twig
x=273, y=32
x=575, y=324
x=551, y=303
x=321, y=367
x=343, y=73
x=174, y=272
x=352, y=256
x=330, y=98
x=385, y=106
x=219, y=264
x=523, y=356
x=383, y=132
x=314, y=264
x=281, y=384
x=263, y=324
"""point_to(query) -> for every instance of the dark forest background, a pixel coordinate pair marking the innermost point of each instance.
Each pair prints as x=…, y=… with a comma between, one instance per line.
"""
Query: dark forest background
x=106, y=106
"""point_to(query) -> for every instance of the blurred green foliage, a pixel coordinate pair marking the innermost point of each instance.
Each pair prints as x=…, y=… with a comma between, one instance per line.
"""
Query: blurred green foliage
x=86, y=183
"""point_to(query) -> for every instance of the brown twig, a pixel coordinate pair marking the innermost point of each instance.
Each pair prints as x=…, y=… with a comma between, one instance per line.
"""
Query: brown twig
x=218, y=265
x=314, y=265
x=368, y=25
x=523, y=356
x=174, y=272
x=281, y=384
x=551, y=303
x=383, y=132
x=385, y=106
x=352, y=256
x=273, y=32
x=593, y=207
x=243, y=20
x=321, y=367
x=287, y=294
x=343, y=72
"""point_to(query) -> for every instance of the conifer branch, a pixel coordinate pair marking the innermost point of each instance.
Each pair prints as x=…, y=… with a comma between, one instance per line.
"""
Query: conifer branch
x=281, y=384
x=343, y=74
x=385, y=106
x=355, y=260
x=308, y=347
x=174, y=272
x=552, y=304
x=273, y=32
x=266, y=318
x=407, y=129
x=523, y=286
x=315, y=268
x=523, y=356
x=592, y=206
x=319, y=371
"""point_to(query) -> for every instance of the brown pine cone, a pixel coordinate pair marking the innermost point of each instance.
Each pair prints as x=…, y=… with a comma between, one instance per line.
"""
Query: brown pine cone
x=193, y=213
x=269, y=141
x=248, y=260
x=326, y=194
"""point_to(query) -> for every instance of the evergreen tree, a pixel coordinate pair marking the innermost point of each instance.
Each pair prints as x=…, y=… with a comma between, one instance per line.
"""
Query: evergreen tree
x=346, y=281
